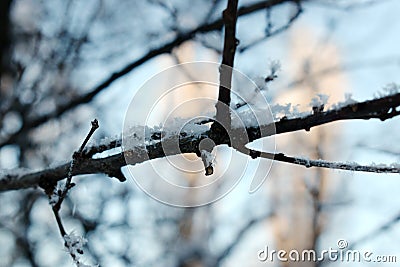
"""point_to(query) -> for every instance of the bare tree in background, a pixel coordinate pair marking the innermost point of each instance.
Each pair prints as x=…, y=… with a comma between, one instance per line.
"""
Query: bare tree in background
x=62, y=65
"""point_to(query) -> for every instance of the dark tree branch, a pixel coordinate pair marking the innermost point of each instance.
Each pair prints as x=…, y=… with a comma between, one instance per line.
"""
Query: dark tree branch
x=308, y=163
x=222, y=124
x=381, y=108
x=228, y=57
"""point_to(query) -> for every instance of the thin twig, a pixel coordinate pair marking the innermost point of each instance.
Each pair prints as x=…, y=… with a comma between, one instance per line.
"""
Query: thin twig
x=75, y=158
x=308, y=163
x=62, y=193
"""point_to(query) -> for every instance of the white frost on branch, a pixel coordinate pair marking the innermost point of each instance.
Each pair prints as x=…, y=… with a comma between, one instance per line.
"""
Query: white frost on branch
x=55, y=196
x=348, y=100
x=105, y=141
x=288, y=111
x=319, y=100
x=208, y=158
x=141, y=136
x=387, y=90
x=274, y=67
x=352, y=166
x=74, y=245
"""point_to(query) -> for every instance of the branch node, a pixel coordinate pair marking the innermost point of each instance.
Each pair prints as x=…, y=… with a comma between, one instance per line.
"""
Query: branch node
x=254, y=154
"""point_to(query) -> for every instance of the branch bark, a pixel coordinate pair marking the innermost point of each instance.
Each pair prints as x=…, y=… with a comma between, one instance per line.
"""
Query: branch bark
x=382, y=108
x=223, y=115
x=221, y=127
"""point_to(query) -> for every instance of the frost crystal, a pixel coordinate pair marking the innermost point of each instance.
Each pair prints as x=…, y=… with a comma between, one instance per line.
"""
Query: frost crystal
x=348, y=101
x=319, y=100
x=138, y=137
x=389, y=89
x=274, y=67
x=287, y=111
x=75, y=244
x=208, y=158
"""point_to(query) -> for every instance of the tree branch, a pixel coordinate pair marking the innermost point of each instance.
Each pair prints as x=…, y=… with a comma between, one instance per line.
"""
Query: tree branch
x=228, y=57
x=308, y=163
x=222, y=123
x=382, y=108
x=56, y=197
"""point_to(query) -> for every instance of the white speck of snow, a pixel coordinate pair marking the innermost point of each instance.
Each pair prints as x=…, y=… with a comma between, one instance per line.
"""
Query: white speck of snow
x=387, y=90
x=208, y=158
x=74, y=244
x=348, y=101
x=395, y=165
x=319, y=100
x=303, y=161
x=55, y=196
x=274, y=67
x=141, y=136
x=105, y=141
x=288, y=110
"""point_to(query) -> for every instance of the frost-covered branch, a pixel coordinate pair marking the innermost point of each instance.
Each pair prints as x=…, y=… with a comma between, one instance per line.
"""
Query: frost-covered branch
x=74, y=245
x=349, y=166
x=381, y=108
